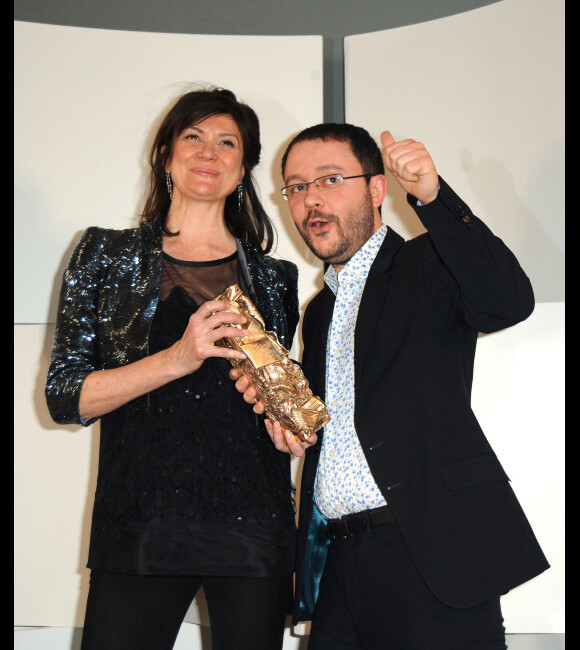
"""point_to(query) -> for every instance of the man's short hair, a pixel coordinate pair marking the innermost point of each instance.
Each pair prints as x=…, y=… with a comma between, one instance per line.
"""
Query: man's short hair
x=362, y=145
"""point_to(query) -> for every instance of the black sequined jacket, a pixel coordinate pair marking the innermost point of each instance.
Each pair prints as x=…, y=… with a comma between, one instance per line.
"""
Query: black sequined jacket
x=109, y=295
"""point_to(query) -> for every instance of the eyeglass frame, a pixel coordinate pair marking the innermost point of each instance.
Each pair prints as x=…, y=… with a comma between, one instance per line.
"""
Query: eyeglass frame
x=307, y=183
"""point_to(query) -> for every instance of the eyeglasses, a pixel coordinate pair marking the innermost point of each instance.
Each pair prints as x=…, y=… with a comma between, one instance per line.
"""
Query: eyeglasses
x=323, y=183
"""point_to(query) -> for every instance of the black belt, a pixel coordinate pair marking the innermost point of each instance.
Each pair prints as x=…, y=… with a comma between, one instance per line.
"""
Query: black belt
x=349, y=525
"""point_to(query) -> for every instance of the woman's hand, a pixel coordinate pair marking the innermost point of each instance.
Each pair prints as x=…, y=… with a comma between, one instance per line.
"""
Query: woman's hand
x=207, y=325
x=105, y=390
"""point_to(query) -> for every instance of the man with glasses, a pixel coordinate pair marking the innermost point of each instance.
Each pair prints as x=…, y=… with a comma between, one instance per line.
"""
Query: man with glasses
x=409, y=531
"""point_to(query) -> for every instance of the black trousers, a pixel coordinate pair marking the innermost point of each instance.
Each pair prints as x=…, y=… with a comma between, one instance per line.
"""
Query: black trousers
x=129, y=612
x=372, y=597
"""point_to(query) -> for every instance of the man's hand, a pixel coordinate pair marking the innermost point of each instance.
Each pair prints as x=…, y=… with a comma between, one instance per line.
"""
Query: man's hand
x=412, y=166
x=249, y=392
x=283, y=439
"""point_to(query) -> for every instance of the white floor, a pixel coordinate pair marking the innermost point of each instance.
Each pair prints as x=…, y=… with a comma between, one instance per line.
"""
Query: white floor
x=196, y=637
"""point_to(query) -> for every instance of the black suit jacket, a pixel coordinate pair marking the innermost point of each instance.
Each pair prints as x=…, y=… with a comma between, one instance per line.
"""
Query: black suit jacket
x=423, y=305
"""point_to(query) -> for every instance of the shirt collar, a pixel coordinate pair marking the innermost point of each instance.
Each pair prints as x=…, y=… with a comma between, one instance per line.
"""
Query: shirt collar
x=357, y=268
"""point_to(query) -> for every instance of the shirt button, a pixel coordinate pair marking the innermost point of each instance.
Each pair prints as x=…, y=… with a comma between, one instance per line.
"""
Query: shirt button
x=332, y=453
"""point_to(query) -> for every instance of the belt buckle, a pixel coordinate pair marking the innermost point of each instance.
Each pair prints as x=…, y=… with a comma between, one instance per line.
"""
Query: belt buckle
x=347, y=526
x=340, y=531
x=356, y=524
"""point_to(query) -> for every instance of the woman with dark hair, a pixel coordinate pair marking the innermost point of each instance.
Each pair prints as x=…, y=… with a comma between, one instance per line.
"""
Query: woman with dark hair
x=191, y=491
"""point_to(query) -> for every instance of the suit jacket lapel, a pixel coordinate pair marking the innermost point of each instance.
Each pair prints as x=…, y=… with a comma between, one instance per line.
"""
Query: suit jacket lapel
x=372, y=298
x=323, y=318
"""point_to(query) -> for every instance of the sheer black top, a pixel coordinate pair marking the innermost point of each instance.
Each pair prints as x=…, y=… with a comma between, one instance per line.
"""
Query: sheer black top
x=204, y=491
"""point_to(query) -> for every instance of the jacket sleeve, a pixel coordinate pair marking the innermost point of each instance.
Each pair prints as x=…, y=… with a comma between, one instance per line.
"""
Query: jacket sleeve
x=75, y=351
x=470, y=271
x=290, y=299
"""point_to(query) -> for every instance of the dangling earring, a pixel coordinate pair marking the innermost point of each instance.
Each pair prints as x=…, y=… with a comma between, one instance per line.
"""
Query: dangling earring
x=169, y=184
x=240, y=196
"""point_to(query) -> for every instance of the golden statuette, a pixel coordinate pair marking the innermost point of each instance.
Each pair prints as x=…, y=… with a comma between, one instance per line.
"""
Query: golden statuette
x=280, y=383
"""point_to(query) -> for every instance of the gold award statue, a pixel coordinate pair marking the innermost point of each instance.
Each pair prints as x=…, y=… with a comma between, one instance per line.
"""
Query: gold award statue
x=280, y=383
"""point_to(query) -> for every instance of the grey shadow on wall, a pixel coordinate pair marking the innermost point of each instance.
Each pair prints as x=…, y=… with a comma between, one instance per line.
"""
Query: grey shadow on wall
x=532, y=241
x=93, y=431
x=47, y=423
x=396, y=204
x=58, y=276
x=537, y=240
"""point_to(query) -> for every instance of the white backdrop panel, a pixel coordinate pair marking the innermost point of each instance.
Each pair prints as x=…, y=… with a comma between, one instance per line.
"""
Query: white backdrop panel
x=484, y=91
x=55, y=476
x=86, y=105
x=518, y=396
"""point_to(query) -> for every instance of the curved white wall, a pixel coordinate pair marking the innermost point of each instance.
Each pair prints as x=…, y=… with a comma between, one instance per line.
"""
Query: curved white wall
x=484, y=91
x=86, y=105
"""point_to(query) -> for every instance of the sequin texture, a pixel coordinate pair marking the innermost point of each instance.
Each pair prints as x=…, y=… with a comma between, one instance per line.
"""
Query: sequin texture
x=170, y=468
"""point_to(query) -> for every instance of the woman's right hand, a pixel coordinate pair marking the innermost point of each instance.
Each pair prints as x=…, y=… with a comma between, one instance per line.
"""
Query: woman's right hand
x=105, y=390
x=206, y=326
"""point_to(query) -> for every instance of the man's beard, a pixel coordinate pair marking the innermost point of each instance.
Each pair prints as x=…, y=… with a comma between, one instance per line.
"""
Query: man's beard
x=354, y=230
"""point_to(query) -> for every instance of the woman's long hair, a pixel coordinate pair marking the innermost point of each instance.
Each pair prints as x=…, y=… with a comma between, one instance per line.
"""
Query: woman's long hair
x=248, y=221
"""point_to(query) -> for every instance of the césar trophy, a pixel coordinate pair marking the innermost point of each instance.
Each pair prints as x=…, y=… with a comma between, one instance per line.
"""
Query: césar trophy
x=280, y=383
